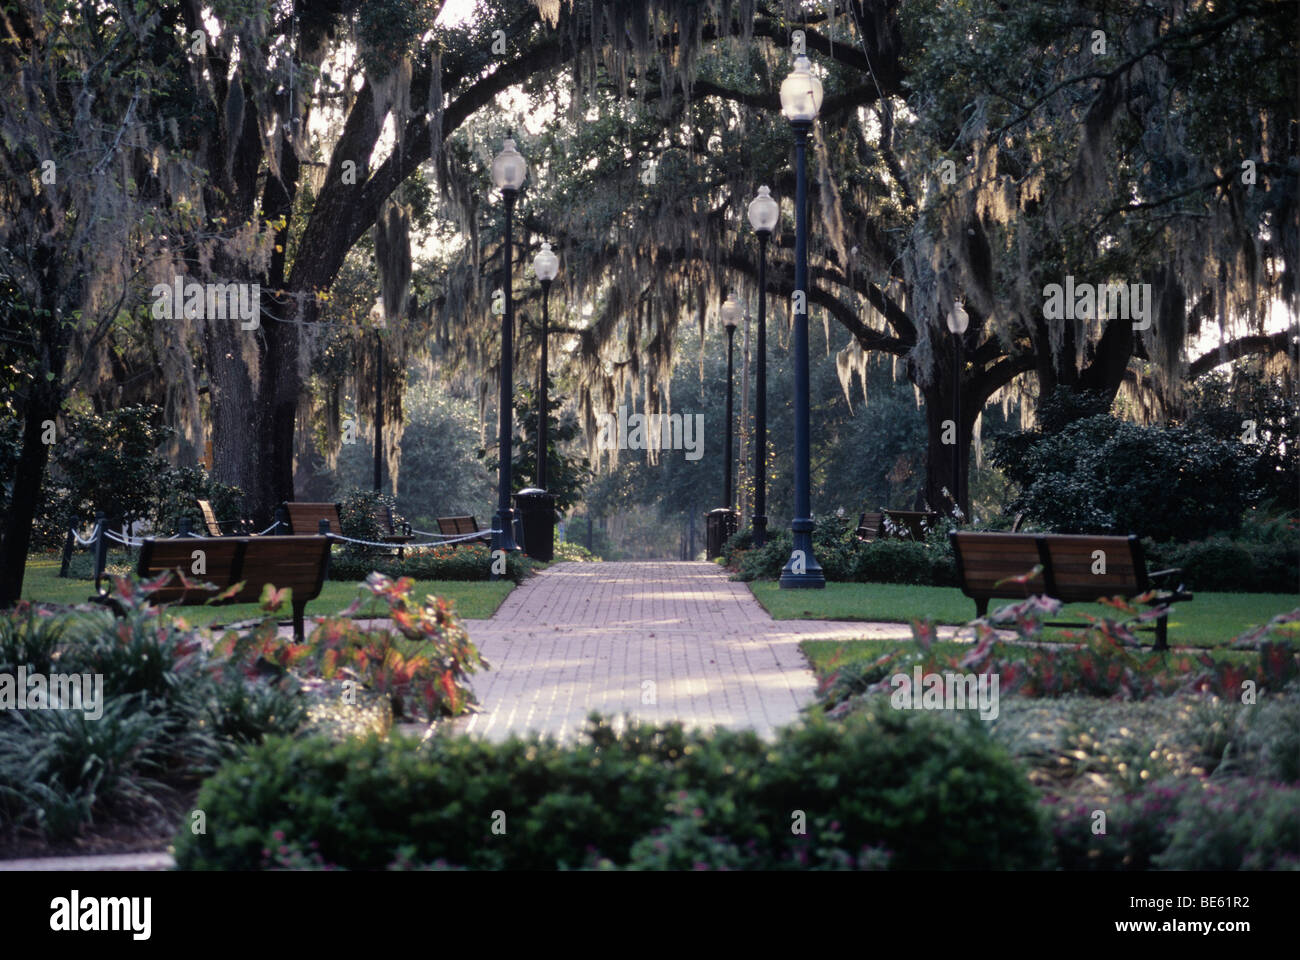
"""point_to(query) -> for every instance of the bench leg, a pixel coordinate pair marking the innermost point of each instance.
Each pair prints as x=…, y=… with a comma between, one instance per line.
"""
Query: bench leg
x=1162, y=633
x=981, y=608
x=298, y=610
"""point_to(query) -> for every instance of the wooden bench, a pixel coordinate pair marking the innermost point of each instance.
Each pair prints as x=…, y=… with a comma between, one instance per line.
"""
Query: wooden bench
x=239, y=528
x=461, y=527
x=995, y=565
x=305, y=518
x=869, y=526
x=895, y=525
x=299, y=563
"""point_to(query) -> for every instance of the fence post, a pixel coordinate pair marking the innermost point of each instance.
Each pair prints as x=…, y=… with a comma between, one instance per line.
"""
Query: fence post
x=101, y=547
x=68, y=542
x=324, y=527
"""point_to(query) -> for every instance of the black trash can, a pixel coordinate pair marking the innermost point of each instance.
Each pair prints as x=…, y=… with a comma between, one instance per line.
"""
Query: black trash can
x=721, y=524
x=536, y=512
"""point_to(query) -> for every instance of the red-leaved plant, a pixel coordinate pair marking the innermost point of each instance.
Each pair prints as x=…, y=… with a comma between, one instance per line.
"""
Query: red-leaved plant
x=422, y=658
x=416, y=651
x=1104, y=661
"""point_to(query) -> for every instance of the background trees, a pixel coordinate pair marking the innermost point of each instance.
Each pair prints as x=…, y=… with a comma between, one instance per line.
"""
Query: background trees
x=336, y=153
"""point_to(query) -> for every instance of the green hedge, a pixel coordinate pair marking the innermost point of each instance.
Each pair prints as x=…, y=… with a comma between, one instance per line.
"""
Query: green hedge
x=1231, y=566
x=845, y=559
x=465, y=562
x=1218, y=564
x=914, y=791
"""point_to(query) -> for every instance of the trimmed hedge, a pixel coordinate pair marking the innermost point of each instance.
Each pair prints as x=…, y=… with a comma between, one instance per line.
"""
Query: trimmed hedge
x=843, y=558
x=465, y=562
x=1218, y=564
x=1231, y=566
x=917, y=791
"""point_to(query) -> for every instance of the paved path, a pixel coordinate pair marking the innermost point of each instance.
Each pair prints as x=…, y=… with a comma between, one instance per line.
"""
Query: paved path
x=661, y=641
x=104, y=862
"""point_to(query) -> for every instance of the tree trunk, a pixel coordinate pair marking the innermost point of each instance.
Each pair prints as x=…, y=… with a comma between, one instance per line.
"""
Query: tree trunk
x=42, y=406
x=941, y=457
x=43, y=403
x=234, y=409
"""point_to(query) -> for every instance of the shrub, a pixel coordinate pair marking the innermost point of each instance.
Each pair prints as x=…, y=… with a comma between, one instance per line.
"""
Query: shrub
x=844, y=558
x=57, y=766
x=893, y=561
x=1235, y=825
x=568, y=551
x=178, y=491
x=1231, y=566
x=1104, y=475
x=466, y=561
x=1239, y=824
x=918, y=791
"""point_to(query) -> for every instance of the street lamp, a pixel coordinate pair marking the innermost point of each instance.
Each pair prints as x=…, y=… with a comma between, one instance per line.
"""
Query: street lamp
x=730, y=314
x=546, y=265
x=801, y=98
x=764, y=212
x=508, y=173
x=958, y=321
x=379, y=405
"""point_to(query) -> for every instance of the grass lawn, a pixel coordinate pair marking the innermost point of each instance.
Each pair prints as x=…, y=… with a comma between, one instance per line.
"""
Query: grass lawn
x=1209, y=620
x=472, y=599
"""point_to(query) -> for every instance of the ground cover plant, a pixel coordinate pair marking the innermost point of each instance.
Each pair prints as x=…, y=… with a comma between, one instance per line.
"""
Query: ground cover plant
x=1143, y=760
x=176, y=701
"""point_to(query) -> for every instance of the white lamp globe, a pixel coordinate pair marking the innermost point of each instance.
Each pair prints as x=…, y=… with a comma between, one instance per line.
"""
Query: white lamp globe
x=958, y=319
x=801, y=93
x=546, y=264
x=731, y=311
x=764, y=212
x=508, y=167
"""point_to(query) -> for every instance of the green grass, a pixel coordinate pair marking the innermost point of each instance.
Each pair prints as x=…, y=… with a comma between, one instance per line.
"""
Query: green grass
x=1209, y=620
x=472, y=600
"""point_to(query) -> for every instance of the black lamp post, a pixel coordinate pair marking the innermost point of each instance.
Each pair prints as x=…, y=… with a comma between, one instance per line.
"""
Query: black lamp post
x=958, y=321
x=508, y=172
x=730, y=313
x=801, y=98
x=763, y=215
x=546, y=265
x=379, y=411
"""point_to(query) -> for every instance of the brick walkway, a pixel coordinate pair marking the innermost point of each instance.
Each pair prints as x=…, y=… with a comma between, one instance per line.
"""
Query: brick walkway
x=661, y=641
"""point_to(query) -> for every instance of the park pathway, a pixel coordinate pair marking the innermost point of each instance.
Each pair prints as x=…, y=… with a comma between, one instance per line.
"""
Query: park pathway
x=660, y=641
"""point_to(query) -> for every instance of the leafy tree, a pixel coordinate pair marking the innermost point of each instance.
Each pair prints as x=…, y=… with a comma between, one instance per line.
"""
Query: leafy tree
x=1108, y=476
x=108, y=463
x=567, y=471
x=86, y=174
x=1260, y=411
